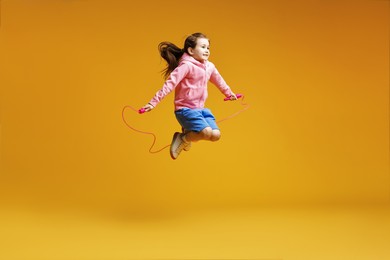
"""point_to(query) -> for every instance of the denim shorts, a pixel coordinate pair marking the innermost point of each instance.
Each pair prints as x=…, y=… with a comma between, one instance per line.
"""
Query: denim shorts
x=196, y=119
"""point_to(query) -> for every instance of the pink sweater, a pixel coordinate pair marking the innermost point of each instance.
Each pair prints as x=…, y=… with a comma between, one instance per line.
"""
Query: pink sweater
x=189, y=80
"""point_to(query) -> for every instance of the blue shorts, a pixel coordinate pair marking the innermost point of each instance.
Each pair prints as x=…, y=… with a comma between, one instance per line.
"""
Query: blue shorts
x=196, y=119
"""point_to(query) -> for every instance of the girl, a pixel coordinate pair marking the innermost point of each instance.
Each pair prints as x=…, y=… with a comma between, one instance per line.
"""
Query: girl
x=188, y=71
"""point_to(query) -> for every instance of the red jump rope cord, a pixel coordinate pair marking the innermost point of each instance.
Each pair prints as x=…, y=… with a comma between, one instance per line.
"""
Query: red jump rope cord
x=246, y=106
x=142, y=132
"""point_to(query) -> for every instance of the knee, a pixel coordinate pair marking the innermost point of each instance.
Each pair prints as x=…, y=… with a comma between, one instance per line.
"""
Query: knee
x=207, y=133
x=215, y=136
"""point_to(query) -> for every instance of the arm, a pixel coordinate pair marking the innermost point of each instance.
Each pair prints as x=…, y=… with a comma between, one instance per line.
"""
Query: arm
x=220, y=83
x=170, y=84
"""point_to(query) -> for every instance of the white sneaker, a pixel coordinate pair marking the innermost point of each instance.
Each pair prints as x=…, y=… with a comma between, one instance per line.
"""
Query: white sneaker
x=177, y=145
x=187, y=145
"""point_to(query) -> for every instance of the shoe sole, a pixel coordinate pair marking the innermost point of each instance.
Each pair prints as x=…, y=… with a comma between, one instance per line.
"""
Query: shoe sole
x=170, y=150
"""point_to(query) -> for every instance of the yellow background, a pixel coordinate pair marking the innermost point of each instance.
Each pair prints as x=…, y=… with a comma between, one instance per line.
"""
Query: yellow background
x=316, y=74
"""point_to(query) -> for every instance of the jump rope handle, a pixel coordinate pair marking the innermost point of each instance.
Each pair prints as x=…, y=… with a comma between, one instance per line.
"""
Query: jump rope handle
x=141, y=110
x=237, y=95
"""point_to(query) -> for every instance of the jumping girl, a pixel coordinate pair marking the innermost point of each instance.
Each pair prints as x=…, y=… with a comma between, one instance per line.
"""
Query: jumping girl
x=188, y=71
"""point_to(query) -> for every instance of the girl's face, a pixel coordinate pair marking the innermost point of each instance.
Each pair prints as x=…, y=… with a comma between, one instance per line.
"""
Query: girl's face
x=201, y=52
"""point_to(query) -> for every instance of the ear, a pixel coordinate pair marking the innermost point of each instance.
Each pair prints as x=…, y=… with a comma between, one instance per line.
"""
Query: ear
x=190, y=51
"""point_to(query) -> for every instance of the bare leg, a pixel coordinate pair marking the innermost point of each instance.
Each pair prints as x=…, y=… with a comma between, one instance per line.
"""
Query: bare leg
x=215, y=136
x=206, y=134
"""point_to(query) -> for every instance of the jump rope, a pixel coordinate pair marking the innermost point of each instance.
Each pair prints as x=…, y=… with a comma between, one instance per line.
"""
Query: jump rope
x=142, y=110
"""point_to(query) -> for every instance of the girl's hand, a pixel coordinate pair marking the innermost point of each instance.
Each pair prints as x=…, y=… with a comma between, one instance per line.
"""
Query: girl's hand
x=148, y=107
x=233, y=97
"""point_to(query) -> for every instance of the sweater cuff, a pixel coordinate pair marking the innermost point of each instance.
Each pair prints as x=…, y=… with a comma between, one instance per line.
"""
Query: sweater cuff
x=153, y=103
x=229, y=93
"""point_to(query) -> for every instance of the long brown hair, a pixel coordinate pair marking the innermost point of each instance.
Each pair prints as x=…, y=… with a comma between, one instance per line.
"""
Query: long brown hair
x=172, y=54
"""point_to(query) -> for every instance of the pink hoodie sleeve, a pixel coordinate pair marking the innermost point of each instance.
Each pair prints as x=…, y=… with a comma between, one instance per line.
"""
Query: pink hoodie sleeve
x=218, y=81
x=170, y=84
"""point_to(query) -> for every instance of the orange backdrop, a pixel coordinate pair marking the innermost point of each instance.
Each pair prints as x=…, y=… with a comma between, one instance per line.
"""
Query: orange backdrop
x=316, y=74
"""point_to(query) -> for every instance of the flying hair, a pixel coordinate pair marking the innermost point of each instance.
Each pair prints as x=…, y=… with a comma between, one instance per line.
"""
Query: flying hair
x=172, y=53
